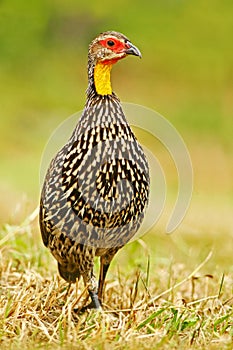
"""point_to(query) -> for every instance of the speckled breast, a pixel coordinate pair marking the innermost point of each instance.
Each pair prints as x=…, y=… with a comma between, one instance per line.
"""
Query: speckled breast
x=96, y=189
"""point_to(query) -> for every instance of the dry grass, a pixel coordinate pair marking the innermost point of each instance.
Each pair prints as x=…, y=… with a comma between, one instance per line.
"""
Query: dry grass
x=175, y=308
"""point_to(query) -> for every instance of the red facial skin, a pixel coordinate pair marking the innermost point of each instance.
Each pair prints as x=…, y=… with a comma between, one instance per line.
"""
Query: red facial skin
x=119, y=47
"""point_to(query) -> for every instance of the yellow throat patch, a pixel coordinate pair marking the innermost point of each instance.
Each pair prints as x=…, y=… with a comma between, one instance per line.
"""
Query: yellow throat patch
x=102, y=78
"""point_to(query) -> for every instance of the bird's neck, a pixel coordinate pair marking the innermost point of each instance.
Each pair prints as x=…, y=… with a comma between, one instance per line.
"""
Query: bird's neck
x=99, y=79
x=102, y=79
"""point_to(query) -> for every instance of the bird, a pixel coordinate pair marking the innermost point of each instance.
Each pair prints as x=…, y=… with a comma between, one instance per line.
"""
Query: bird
x=96, y=189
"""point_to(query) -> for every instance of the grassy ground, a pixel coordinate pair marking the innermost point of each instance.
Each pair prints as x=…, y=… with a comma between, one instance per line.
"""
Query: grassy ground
x=162, y=292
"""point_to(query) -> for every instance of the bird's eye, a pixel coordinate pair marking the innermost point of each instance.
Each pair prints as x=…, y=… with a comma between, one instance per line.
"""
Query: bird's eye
x=110, y=43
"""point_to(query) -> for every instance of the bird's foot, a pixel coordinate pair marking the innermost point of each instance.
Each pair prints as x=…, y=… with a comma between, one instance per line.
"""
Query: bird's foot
x=94, y=304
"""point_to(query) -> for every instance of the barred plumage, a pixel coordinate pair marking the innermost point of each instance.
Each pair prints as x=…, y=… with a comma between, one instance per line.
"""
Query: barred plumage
x=96, y=189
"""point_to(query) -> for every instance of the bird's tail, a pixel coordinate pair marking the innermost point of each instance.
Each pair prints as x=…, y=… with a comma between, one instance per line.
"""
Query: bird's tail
x=69, y=276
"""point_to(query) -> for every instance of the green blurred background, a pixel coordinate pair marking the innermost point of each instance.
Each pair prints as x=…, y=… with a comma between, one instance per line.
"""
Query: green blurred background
x=186, y=74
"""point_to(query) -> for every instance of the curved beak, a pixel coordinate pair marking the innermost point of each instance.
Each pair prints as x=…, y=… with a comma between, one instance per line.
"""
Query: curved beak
x=132, y=50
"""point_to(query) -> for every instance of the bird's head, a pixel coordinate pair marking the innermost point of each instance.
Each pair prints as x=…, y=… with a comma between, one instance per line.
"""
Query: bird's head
x=110, y=47
x=104, y=51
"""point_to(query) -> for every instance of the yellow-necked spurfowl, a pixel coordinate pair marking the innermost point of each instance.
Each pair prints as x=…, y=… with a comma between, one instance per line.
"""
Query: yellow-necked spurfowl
x=96, y=189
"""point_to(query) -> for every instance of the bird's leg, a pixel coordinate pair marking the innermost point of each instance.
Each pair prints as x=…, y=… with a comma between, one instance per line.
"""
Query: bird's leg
x=90, y=282
x=95, y=303
x=104, y=265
